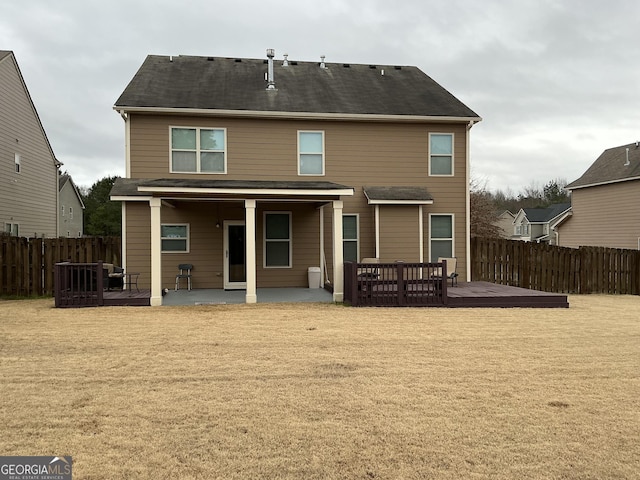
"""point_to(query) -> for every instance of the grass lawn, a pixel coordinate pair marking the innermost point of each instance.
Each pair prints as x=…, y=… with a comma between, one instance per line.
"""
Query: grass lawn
x=306, y=391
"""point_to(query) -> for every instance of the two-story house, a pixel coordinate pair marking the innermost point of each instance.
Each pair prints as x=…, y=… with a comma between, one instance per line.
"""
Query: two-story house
x=255, y=170
x=28, y=167
x=539, y=224
x=70, y=216
x=605, y=202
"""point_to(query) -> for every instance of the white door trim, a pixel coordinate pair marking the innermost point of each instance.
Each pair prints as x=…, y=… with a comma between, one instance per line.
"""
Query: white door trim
x=229, y=285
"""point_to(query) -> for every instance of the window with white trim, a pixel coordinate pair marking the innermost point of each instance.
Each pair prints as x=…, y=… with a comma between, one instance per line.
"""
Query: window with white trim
x=174, y=238
x=441, y=154
x=11, y=228
x=62, y=210
x=16, y=159
x=310, y=153
x=277, y=239
x=350, y=237
x=441, y=236
x=71, y=212
x=198, y=150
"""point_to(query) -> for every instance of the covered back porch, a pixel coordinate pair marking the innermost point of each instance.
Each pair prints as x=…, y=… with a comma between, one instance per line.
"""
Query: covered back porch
x=238, y=235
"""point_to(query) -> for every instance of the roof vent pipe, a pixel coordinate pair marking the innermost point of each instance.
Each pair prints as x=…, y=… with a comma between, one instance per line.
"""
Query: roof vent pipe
x=322, y=65
x=271, y=84
x=627, y=163
x=285, y=62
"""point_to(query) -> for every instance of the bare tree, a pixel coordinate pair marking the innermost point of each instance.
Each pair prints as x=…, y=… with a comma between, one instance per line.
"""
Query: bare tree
x=482, y=211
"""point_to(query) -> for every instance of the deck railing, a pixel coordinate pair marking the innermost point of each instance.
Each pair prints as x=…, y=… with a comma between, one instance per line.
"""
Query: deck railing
x=395, y=284
x=79, y=284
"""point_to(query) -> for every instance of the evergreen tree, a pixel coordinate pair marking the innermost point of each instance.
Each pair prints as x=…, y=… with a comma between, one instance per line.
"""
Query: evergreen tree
x=102, y=217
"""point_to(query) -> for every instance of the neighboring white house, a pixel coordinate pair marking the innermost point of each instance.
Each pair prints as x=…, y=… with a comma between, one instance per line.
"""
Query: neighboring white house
x=539, y=224
x=70, y=222
x=504, y=222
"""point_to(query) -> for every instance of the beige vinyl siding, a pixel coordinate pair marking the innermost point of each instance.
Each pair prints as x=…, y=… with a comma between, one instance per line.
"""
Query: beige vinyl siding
x=28, y=198
x=357, y=154
x=138, y=241
x=399, y=234
x=604, y=216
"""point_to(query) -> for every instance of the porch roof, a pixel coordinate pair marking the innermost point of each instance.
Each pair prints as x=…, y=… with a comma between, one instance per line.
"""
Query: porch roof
x=398, y=196
x=124, y=188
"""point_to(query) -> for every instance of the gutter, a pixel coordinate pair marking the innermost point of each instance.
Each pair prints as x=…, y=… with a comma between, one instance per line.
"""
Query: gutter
x=123, y=111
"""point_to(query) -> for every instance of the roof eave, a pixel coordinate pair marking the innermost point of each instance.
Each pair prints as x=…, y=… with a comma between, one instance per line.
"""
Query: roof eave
x=597, y=184
x=296, y=115
x=267, y=192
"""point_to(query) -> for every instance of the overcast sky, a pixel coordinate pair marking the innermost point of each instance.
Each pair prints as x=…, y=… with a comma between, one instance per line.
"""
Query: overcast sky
x=556, y=82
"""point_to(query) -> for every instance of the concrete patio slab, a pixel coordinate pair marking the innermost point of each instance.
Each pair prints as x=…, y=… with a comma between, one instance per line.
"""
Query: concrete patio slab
x=265, y=295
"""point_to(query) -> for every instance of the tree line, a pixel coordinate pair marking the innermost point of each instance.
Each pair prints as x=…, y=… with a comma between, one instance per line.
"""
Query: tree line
x=487, y=205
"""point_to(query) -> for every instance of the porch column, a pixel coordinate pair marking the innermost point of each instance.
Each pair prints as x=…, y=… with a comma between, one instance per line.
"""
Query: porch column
x=338, y=265
x=250, y=255
x=156, y=253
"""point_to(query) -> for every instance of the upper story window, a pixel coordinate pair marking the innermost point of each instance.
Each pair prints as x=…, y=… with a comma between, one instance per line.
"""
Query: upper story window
x=441, y=154
x=310, y=153
x=71, y=212
x=62, y=210
x=16, y=158
x=198, y=150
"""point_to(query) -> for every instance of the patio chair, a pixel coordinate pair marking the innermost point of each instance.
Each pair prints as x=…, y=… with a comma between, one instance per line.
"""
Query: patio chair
x=185, y=272
x=451, y=269
x=113, y=276
x=368, y=272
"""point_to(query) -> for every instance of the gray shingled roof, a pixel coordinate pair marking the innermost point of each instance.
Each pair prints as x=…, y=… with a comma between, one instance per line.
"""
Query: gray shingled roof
x=4, y=53
x=302, y=87
x=610, y=167
x=129, y=186
x=410, y=194
x=543, y=215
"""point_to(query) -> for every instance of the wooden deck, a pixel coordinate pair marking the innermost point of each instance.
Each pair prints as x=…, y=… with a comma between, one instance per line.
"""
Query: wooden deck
x=131, y=298
x=485, y=294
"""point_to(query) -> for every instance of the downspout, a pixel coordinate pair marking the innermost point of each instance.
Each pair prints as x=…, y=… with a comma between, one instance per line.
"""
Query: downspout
x=468, y=202
x=127, y=156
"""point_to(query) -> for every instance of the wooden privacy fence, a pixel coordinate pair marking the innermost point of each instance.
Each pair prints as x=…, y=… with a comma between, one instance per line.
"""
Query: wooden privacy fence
x=27, y=265
x=555, y=269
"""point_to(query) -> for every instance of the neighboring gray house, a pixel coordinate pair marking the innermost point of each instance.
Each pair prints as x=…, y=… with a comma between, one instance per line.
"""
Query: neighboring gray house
x=539, y=224
x=605, y=202
x=70, y=223
x=28, y=167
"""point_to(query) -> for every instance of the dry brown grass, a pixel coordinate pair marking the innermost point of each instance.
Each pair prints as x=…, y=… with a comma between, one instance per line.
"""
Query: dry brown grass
x=324, y=391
